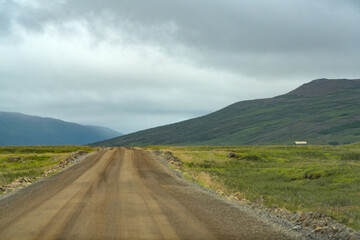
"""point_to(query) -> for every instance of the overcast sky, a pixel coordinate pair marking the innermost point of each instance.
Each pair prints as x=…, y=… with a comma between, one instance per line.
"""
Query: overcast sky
x=134, y=64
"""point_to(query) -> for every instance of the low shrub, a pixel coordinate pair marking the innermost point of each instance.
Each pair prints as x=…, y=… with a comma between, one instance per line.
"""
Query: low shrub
x=352, y=156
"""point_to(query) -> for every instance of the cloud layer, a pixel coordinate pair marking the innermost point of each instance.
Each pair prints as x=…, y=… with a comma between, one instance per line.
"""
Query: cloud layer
x=136, y=64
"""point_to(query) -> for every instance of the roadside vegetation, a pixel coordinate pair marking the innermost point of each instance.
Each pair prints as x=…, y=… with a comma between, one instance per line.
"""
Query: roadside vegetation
x=32, y=161
x=322, y=179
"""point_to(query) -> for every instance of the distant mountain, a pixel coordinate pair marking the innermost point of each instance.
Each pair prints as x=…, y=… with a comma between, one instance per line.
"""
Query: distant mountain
x=321, y=112
x=18, y=129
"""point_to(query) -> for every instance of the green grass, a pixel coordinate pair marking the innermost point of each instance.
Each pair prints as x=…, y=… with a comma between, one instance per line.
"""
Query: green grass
x=43, y=149
x=281, y=174
x=34, y=160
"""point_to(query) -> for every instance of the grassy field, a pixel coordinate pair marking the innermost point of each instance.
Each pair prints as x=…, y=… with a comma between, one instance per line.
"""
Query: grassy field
x=34, y=160
x=323, y=179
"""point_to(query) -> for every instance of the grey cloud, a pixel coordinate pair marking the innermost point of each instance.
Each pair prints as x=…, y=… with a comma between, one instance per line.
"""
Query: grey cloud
x=241, y=25
x=224, y=25
x=219, y=33
x=167, y=60
x=4, y=25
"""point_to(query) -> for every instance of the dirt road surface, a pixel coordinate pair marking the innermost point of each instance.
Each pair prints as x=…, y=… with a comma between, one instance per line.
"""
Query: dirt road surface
x=122, y=193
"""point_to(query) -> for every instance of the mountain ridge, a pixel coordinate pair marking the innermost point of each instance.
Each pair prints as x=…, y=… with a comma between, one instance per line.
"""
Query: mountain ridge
x=21, y=129
x=324, y=86
x=328, y=117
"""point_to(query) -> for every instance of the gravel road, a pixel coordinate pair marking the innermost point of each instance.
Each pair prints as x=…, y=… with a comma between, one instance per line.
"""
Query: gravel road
x=123, y=193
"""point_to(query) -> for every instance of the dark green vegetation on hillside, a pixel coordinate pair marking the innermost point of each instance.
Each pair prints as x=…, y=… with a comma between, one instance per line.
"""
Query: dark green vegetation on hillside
x=320, y=112
x=33, y=160
x=18, y=130
x=321, y=179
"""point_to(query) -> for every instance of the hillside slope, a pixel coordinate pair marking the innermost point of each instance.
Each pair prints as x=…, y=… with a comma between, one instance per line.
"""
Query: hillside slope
x=320, y=112
x=18, y=129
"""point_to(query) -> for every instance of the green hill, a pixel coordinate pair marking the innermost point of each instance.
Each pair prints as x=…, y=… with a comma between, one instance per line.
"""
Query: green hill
x=18, y=129
x=320, y=112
